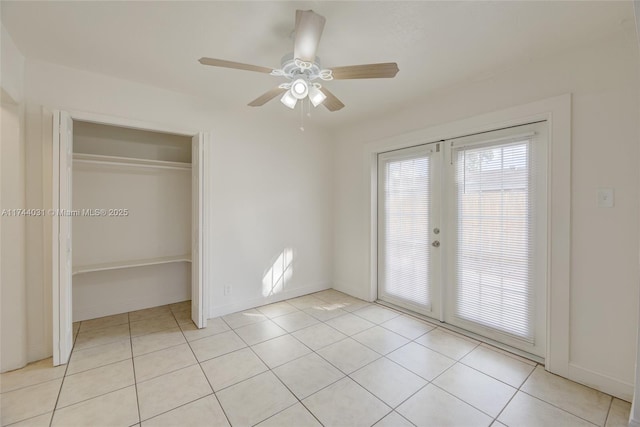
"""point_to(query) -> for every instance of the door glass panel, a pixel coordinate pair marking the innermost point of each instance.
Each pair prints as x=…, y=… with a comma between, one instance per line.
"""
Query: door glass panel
x=494, y=251
x=404, y=220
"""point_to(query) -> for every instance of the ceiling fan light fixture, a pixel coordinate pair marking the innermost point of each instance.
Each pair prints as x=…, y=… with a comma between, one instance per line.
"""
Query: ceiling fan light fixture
x=289, y=100
x=299, y=88
x=316, y=96
x=302, y=68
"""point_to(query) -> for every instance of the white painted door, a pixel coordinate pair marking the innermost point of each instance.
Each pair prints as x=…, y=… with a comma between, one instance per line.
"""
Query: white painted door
x=409, y=228
x=497, y=235
x=62, y=259
x=462, y=233
x=198, y=298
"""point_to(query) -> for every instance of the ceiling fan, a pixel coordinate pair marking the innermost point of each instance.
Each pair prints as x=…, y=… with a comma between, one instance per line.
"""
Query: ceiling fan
x=302, y=68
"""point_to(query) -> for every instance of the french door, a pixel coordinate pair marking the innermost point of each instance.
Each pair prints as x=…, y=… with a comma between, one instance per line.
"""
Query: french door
x=462, y=233
x=408, y=221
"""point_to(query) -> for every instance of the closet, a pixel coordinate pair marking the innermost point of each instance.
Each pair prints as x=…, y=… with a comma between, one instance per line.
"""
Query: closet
x=131, y=228
x=128, y=220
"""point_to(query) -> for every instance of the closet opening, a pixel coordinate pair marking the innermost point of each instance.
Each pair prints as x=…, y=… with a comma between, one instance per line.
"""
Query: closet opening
x=127, y=223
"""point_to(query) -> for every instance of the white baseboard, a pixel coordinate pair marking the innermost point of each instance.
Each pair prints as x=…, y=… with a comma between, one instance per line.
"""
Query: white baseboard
x=634, y=423
x=350, y=291
x=235, y=306
x=602, y=382
x=102, y=310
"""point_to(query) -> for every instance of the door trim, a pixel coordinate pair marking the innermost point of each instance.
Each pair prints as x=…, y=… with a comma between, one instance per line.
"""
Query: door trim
x=557, y=112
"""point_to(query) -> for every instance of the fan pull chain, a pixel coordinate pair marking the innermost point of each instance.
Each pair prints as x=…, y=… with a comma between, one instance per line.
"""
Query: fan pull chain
x=302, y=116
x=308, y=107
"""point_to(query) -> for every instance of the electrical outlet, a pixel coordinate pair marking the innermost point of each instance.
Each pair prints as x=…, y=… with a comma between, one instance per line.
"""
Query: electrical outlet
x=605, y=198
x=227, y=289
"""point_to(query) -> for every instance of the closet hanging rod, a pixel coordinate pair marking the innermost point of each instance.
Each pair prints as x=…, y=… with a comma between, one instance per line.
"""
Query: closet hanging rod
x=128, y=161
x=131, y=165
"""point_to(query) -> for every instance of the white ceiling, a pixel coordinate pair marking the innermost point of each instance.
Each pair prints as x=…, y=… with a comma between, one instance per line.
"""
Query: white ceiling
x=436, y=44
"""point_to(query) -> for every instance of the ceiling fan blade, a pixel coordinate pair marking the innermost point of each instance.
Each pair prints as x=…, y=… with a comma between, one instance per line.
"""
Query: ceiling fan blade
x=236, y=65
x=366, y=71
x=332, y=102
x=309, y=26
x=266, y=97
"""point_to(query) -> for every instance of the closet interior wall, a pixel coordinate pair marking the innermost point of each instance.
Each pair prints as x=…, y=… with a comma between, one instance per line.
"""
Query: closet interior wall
x=131, y=226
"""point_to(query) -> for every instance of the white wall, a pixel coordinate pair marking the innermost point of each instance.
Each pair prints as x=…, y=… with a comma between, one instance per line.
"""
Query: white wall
x=604, y=80
x=13, y=319
x=11, y=67
x=270, y=185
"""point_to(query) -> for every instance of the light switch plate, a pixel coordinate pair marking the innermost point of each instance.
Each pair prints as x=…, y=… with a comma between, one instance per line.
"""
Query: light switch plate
x=605, y=197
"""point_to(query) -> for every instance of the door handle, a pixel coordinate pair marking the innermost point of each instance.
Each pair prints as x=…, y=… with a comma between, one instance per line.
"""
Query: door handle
x=436, y=243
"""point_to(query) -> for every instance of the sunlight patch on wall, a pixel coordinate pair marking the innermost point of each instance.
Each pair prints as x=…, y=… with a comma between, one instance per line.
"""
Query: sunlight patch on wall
x=278, y=274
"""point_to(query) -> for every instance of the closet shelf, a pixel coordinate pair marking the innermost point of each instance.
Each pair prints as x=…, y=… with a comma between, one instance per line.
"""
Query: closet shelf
x=99, y=159
x=129, y=264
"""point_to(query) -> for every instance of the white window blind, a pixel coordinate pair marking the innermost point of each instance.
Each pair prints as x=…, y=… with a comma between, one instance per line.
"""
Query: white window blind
x=494, y=255
x=404, y=205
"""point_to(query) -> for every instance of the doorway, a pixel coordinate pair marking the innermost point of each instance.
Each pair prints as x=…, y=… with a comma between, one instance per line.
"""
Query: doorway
x=137, y=172
x=462, y=233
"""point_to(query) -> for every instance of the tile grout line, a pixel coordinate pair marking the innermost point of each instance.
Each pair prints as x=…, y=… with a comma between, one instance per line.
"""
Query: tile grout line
x=440, y=352
x=514, y=395
x=312, y=352
x=97, y=367
x=557, y=407
x=513, y=356
x=348, y=375
x=158, y=350
x=184, y=367
x=269, y=369
x=197, y=361
x=55, y=406
x=344, y=375
x=34, y=384
x=608, y=412
x=95, y=397
x=167, y=373
x=206, y=377
x=66, y=374
x=444, y=326
x=491, y=376
x=432, y=382
x=544, y=401
x=456, y=361
x=315, y=351
x=133, y=367
x=459, y=361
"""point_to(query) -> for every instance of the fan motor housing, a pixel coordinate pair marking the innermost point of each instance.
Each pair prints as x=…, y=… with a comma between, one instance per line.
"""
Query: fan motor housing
x=291, y=68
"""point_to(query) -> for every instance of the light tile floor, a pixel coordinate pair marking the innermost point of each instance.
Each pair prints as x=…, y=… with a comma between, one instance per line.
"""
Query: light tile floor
x=322, y=359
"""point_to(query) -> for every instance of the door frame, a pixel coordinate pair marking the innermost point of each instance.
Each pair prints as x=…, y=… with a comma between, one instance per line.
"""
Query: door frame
x=557, y=112
x=61, y=305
